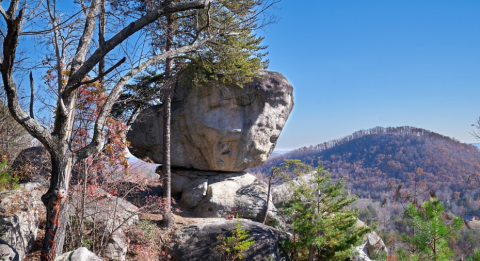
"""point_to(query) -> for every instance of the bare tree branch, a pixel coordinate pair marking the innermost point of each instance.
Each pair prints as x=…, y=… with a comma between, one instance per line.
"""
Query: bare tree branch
x=4, y=14
x=9, y=52
x=104, y=73
x=132, y=28
x=96, y=143
x=54, y=28
x=32, y=93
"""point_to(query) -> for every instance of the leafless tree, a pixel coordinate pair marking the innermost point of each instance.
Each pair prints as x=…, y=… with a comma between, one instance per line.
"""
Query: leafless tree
x=74, y=59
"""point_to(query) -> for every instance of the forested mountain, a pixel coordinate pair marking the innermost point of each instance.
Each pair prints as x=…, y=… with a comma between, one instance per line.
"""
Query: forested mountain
x=371, y=159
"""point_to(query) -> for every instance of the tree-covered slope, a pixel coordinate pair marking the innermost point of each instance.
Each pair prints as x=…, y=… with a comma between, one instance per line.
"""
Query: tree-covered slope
x=372, y=159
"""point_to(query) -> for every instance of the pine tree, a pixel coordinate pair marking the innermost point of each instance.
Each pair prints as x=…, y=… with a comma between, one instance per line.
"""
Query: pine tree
x=324, y=228
x=234, y=245
x=233, y=57
x=432, y=232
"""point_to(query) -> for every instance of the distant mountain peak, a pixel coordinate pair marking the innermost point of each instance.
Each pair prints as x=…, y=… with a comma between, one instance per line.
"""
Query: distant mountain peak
x=370, y=159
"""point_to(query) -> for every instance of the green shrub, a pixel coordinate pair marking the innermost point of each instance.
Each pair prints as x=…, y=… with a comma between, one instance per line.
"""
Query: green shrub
x=431, y=232
x=323, y=225
x=7, y=180
x=475, y=256
x=233, y=246
x=148, y=228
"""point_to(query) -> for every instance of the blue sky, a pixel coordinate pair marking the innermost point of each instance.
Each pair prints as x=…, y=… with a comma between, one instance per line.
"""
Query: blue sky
x=360, y=64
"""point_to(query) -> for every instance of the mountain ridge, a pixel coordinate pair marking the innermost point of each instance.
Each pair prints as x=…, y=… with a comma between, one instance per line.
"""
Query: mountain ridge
x=371, y=159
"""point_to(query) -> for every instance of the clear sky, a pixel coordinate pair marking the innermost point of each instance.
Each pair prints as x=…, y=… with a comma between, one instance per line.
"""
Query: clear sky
x=357, y=64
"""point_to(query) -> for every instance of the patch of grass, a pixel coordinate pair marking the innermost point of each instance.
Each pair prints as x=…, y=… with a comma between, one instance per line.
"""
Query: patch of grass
x=7, y=180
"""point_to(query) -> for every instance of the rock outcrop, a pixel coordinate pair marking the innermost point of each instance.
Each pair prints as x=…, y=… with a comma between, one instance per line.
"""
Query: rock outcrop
x=372, y=246
x=117, y=246
x=214, y=194
x=199, y=241
x=217, y=127
x=20, y=214
x=113, y=213
x=80, y=254
x=7, y=252
x=103, y=206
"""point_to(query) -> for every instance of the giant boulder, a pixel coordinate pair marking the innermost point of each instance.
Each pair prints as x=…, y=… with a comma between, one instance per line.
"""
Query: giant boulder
x=217, y=127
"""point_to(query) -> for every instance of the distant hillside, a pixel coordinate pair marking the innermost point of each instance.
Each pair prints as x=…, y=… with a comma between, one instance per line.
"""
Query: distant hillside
x=370, y=159
x=476, y=145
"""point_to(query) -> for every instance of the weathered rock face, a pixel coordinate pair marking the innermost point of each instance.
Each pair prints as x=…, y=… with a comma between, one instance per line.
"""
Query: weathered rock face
x=373, y=245
x=117, y=246
x=80, y=254
x=199, y=241
x=210, y=194
x=113, y=213
x=106, y=208
x=7, y=252
x=217, y=127
x=283, y=193
x=20, y=213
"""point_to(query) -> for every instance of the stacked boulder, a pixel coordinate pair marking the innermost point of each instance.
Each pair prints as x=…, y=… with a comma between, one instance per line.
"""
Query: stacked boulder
x=218, y=131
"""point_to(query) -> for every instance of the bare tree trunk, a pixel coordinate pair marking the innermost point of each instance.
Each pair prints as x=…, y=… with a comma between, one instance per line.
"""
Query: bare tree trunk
x=32, y=95
x=55, y=202
x=84, y=201
x=311, y=252
x=268, y=199
x=166, y=167
x=101, y=40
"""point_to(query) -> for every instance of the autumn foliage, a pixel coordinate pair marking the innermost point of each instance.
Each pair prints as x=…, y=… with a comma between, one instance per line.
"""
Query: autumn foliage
x=376, y=160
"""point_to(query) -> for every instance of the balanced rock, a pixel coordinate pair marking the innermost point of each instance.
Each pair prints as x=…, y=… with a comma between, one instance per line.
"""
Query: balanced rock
x=200, y=241
x=217, y=127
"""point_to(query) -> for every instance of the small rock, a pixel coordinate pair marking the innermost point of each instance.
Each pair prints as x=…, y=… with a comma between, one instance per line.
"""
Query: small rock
x=117, y=246
x=80, y=254
x=104, y=207
x=372, y=246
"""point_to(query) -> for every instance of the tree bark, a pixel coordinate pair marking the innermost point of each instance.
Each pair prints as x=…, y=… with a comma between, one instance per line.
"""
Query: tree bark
x=166, y=167
x=311, y=253
x=59, y=142
x=268, y=199
x=55, y=202
x=101, y=40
